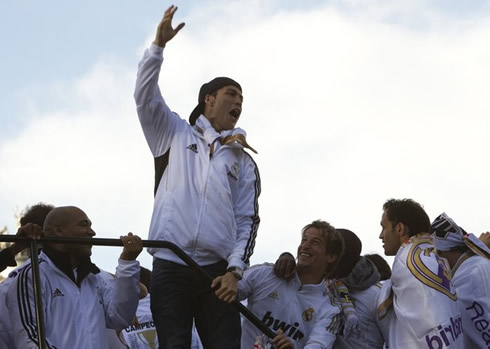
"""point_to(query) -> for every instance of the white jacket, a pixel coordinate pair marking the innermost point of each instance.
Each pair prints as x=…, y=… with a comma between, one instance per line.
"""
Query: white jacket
x=205, y=205
x=75, y=317
x=6, y=334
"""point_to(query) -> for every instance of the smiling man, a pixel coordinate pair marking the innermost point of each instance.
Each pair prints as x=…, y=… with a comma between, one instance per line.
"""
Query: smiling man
x=206, y=191
x=301, y=308
x=78, y=303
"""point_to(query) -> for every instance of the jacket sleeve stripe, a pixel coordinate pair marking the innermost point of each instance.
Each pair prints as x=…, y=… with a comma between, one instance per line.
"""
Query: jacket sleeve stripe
x=28, y=319
x=249, y=248
x=25, y=310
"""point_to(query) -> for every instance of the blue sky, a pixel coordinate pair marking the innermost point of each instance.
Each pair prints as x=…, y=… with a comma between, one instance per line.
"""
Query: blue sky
x=348, y=102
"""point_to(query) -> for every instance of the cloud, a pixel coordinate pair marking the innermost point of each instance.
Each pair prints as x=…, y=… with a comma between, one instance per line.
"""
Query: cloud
x=88, y=153
x=346, y=109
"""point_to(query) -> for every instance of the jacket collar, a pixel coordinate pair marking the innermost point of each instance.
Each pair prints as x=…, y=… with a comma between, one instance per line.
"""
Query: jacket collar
x=62, y=261
x=237, y=136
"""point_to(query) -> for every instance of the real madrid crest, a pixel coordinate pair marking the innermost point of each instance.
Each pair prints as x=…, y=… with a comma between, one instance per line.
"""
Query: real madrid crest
x=308, y=314
x=234, y=171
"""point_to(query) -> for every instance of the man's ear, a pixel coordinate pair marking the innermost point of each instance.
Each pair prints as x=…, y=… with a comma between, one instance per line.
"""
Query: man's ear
x=57, y=230
x=402, y=230
x=209, y=100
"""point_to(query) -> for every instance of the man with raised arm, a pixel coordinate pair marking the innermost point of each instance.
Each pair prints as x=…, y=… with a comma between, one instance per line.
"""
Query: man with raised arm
x=206, y=193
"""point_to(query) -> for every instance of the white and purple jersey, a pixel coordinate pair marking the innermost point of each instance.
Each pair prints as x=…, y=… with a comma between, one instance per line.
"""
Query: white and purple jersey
x=421, y=300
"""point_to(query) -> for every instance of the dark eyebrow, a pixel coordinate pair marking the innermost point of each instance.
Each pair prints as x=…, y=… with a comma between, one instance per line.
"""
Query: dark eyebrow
x=235, y=92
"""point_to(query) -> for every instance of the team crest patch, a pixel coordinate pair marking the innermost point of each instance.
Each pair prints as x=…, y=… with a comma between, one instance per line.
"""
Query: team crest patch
x=440, y=281
x=234, y=171
x=273, y=295
x=308, y=314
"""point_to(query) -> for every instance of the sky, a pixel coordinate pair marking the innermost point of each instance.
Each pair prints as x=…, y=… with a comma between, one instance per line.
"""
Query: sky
x=348, y=102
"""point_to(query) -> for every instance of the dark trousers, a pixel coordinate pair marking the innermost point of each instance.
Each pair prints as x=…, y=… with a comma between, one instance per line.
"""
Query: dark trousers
x=179, y=295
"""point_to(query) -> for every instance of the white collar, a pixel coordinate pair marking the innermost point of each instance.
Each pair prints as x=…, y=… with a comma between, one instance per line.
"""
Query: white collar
x=210, y=134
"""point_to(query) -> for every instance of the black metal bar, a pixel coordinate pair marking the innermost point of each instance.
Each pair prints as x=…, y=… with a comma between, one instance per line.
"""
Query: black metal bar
x=156, y=244
x=38, y=300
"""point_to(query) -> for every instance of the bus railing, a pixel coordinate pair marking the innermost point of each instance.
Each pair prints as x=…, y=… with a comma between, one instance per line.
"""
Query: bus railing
x=34, y=244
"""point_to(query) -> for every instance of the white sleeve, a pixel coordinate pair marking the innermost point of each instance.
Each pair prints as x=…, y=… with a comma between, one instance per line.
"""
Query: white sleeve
x=158, y=122
x=474, y=296
x=325, y=331
x=22, y=311
x=383, y=326
x=246, y=215
x=122, y=296
x=252, y=280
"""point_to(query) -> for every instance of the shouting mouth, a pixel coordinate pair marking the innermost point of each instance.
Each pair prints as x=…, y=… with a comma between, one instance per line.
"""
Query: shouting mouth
x=235, y=114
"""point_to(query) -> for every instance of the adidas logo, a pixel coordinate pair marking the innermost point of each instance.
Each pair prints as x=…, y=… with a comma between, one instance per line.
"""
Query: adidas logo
x=58, y=293
x=192, y=147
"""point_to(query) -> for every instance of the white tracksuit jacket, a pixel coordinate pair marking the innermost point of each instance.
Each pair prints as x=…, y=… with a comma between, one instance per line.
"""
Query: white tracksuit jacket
x=206, y=205
x=74, y=317
x=6, y=334
x=423, y=311
x=304, y=313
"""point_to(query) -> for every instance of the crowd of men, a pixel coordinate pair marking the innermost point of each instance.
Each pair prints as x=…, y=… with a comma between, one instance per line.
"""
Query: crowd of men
x=207, y=186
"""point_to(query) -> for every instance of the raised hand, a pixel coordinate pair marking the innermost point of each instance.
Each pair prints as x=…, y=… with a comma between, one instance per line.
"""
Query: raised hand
x=165, y=31
x=132, y=246
x=32, y=231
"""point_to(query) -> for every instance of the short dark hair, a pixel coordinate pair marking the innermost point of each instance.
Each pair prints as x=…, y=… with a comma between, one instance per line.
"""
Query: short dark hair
x=408, y=212
x=333, y=241
x=145, y=277
x=352, y=254
x=381, y=264
x=36, y=214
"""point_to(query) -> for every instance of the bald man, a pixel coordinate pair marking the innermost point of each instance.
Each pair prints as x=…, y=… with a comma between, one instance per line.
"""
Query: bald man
x=78, y=303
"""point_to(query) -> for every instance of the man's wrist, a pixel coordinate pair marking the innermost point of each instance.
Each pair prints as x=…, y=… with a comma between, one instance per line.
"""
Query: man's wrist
x=159, y=44
x=237, y=272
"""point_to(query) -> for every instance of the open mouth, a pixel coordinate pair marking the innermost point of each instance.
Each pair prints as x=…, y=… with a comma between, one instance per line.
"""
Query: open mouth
x=235, y=113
